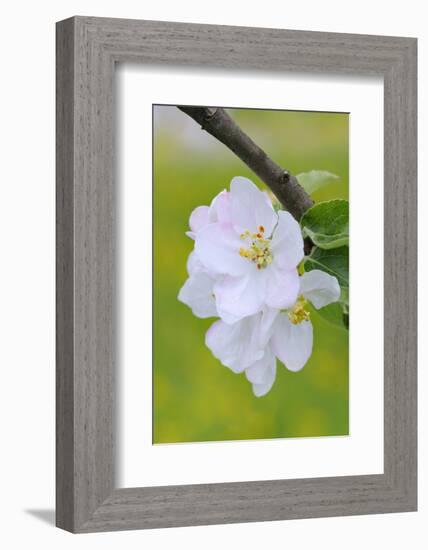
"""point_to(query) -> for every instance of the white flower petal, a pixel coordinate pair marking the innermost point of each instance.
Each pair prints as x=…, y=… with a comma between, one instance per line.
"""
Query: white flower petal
x=217, y=246
x=292, y=344
x=262, y=374
x=287, y=242
x=260, y=390
x=282, y=287
x=220, y=208
x=239, y=297
x=197, y=293
x=194, y=264
x=199, y=218
x=260, y=371
x=250, y=207
x=267, y=323
x=236, y=346
x=319, y=287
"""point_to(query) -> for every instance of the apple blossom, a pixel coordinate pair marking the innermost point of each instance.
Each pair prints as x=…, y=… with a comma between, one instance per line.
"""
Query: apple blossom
x=243, y=269
x=253, y=344
x=252, y=251
x=292, y=334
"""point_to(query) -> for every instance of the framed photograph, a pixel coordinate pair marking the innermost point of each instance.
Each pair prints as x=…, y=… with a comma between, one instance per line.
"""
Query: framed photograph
x=236, y=274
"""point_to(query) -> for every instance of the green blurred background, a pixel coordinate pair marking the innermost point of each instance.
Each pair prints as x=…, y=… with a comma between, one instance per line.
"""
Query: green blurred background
x=195, y=397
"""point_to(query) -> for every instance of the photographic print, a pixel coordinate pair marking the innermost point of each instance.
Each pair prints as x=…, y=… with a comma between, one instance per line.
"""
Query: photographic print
x=250, y=274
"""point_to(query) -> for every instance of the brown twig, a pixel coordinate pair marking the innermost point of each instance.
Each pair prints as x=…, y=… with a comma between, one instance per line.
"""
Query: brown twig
x=218, y=123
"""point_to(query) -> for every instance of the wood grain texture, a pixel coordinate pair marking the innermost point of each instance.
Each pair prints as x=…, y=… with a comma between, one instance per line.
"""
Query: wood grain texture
x=64, y=278
x=87, y=49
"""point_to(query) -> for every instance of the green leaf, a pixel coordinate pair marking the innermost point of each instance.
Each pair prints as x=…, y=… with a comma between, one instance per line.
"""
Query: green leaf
x=327, y=224
x=334, y=314
x=315, y=179
x=344, y=299
x=334, y=262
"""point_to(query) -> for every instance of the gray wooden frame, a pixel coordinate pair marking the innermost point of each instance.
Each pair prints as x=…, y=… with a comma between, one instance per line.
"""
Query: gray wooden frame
x=87, y=50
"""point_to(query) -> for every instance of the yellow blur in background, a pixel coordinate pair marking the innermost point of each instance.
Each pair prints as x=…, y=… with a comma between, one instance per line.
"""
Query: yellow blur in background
x=196, y=398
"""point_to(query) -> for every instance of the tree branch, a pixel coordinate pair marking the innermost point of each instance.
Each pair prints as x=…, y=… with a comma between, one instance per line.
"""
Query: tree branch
x=218, y=123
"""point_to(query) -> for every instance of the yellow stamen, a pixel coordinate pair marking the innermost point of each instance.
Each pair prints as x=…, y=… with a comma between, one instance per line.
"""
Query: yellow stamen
x=298, y=313
x=258, y=250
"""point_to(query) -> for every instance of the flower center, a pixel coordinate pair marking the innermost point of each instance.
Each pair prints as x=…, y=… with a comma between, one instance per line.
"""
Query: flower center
x=298, y=312
x=257, y=249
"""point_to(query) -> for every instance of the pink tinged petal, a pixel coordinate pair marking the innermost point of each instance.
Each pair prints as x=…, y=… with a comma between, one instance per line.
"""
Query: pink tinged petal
x=235, y=345
x=282, y=287
x=197, y=293
x=220, y=208
x=262, y=373
x=239, y=297
x=287, y=242
x=217, y=246
x=250, y=208
x=199, y=218
x=320, y=288
x=292, y=344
